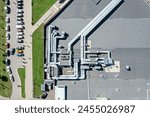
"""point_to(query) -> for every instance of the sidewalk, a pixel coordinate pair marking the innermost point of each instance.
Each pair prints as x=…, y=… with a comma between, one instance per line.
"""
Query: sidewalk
x=50, y=14
x=28, y=49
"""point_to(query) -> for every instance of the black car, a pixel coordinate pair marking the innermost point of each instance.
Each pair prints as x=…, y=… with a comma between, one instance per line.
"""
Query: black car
x=7, y=9
x=7, y=61
x=44, y=95
x=7, y=53
x=12, y=51
x=20, y=7
x=7, y=2
x=20, y=48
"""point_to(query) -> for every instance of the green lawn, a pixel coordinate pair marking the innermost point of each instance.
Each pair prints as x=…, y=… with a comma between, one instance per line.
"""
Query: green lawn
x=38, y=60
x=39, y=7
x=21, y=72
x=5, y=84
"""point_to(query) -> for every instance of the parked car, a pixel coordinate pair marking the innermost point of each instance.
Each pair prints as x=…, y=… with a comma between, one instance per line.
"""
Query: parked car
x=20, y=54
x=20, y=7
x=7, y=9
x=19, y=19
x=7, y=20
x=8, y=45
x=19, y=3
x=7, y=28
x=19, y=15
x=20, y=37
x=20, y=33
x=44, y=95
x=20, y=11
x=7, y=53
x=20, y=51
x=19, y=26
x=11, y=77
x=20, y=22
x=7, y=2
x=20, y=41
x=19, y=0
x=7, y=61
x=7, y=35
x=8, y=69
x=12, y=51
x=20, y=48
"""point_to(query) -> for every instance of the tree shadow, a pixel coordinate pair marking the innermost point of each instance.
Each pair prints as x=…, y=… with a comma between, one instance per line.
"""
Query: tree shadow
x=4, y=78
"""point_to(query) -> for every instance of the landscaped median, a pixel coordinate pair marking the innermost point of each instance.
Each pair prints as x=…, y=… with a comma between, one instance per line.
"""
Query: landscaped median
x=38, y=60
x=5, y=83
x=39, y=7
x=21, y=72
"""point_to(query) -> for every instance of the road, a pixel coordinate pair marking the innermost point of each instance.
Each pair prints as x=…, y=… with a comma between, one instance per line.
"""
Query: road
x=16, y=62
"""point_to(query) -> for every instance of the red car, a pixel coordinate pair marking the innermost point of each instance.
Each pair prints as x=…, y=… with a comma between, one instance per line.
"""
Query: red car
x=8, y=45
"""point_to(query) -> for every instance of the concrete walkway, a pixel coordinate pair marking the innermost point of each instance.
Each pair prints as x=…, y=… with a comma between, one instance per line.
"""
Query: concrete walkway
x=28, y=49
x=50, y=14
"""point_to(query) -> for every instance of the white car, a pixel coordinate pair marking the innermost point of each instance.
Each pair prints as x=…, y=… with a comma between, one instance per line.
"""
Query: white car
x=7, y=28
x=7, y=20
x=7, y=35
x=20, y=22
x=20, y=11
x=19, y=26
x=8, y=69
x=19, y=15
x=11, y=77
x=20, y=36
x=19, y=19
x=20, y=33
x=7, y=9
x=20, y=41
x=7, y=2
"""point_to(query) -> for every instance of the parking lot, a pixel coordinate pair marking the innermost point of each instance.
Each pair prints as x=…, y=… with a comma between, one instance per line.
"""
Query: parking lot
x=15, y=42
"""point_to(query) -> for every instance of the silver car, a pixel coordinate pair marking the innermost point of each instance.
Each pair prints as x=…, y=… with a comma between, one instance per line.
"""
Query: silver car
x=19, y=15
x=7, y=20
x=7, y=35
x=20, y=11
x=20, y=33
x=7, y=28
x=11, y=77
x=20, y=37
x=8, y=69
